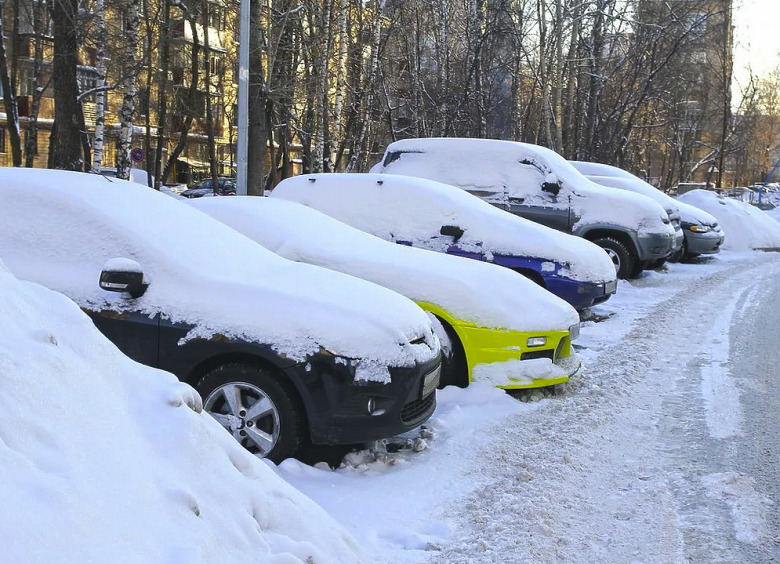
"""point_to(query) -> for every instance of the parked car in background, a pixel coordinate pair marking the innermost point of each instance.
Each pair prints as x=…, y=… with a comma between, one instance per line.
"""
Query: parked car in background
x=539, y=184
x=699, y=231
x=225, y=187
x=430, y=215
x=495, y=325
x=282, y=353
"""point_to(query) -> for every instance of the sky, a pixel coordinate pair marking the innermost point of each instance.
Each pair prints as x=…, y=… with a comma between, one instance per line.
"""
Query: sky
x=756, y=37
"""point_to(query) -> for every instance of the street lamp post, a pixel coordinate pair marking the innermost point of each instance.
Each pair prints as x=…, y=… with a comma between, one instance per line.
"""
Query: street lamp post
x=243, y=101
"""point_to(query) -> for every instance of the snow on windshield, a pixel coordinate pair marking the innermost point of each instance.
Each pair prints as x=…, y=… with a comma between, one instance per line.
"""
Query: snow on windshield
x=402, y=208
x=106, y=460
x=502, y=170
x=59, y=228
x=476, y=292
x=746, y=226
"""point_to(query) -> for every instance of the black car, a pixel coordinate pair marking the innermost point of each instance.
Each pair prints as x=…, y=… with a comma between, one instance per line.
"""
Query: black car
x=284, y=354
x=225, y=187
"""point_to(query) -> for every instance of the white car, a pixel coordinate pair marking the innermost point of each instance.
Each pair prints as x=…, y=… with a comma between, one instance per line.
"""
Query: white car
x=282, y=353
x=748, y=227
x=430, y=215
x=539, y=184
x=700, y=231
x=495, y=325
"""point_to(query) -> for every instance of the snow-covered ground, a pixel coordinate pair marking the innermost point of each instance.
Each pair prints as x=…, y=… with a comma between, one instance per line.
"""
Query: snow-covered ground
x=575, y=476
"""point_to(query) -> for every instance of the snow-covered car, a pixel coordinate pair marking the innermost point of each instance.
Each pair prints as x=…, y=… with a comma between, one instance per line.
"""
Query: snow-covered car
x=539, y=184
x=137, y=175
x=427, y=214
x=747, y=226
x=699, y=231
x=225, y=187
x=496, y=325
x=97, y=447
x=282, y=353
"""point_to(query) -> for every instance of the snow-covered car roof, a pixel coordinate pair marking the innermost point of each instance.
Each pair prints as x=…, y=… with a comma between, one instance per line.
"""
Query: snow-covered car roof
x=97, y=447
x=747, y=227
x=483, y=294
x=406, y=208
x=59, y=228
x=615, y=177
x=501, y=168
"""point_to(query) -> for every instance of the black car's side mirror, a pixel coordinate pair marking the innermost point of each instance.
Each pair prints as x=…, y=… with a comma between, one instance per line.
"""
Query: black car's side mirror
x=452, y=231
x=123, y=275
x=551, y=187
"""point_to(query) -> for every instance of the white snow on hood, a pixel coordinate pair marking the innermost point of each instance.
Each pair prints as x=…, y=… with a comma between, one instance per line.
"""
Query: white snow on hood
x=501, y=170
x=403, y=208
x=105, y=460
x=747, y=226
x=59, y=228
x=484, y=294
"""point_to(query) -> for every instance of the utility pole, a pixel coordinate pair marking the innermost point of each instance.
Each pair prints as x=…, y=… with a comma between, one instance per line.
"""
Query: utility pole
x=243, y=100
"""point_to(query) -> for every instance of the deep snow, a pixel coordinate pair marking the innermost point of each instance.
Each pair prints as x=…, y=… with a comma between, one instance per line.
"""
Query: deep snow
x=105, y=460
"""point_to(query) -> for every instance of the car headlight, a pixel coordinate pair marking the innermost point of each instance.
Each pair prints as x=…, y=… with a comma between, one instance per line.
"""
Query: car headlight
x=536, y=341
x=574, y=331
x=699, y=228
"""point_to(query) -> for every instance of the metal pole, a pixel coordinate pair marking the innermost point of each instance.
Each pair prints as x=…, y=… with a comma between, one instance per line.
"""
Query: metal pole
x=243, y=100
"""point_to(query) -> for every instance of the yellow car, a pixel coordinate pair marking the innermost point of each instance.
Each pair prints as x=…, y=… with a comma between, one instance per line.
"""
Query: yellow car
x=495, y=325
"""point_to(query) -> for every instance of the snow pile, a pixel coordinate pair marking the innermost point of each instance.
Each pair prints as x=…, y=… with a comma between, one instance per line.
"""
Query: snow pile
x=614, y=177
x=413, y=210
x=59, y=228
x=747, y=227
x=774, y=213
x=105, y=460
x=471, y=291
x=501, y=171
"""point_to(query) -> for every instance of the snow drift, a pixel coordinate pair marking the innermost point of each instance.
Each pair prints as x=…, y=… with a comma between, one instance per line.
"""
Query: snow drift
x=105, y=460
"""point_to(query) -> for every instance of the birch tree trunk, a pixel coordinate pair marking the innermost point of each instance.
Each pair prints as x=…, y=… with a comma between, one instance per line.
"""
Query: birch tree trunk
x=100, y=95
x=129, y=76
x=31, y=142
x=321, y=110
x=209, y=115
x=358, y=148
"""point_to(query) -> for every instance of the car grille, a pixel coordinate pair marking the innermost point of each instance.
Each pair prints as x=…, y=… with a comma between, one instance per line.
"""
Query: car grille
x=537, y=354
x=417, y=409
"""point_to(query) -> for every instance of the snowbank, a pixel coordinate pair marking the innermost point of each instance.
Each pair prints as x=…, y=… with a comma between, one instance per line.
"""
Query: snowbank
x=59, y=228
x=472, y=291
x=747, y=227
x=105, y=460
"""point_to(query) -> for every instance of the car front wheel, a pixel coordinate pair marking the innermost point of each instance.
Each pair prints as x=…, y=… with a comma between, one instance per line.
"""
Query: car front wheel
x=254, y=407
x=621, y=257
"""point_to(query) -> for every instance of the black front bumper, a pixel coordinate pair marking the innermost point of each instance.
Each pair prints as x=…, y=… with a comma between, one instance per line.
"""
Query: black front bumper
x=337, y=406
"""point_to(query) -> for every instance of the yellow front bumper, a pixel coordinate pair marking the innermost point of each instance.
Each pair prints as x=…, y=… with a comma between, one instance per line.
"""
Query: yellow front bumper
x=504, y=358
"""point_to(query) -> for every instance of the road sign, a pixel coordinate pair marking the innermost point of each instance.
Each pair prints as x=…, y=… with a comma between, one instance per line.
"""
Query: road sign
x=137, y=155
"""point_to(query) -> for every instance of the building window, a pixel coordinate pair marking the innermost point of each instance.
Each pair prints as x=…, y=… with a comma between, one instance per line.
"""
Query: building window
x=2, y=140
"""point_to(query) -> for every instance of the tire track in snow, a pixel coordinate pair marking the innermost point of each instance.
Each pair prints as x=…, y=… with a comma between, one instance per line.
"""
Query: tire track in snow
x=601, y=474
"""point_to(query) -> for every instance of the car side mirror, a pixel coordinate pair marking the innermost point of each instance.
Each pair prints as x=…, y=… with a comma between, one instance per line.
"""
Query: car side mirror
x=551, y=187
x=123, y=275
x=452, y=231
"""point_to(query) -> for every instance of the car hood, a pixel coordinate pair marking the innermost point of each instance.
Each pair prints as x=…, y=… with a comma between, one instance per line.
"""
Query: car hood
x=474, y=292
x=413, y=210
x=692, y=214
x=59, y=228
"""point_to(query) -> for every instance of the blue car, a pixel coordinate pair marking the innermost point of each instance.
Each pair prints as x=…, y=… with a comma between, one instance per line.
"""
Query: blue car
x=430, y=215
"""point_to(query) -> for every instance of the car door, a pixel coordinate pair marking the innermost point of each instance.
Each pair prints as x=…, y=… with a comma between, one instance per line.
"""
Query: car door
x=135, y=334
x=536, y=194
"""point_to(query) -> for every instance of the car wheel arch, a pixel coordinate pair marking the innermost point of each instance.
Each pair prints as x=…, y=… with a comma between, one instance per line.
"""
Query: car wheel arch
x=293, y=388
x=456, y=372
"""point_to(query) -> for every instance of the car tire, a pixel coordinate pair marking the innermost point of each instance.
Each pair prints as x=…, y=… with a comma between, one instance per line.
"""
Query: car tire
x=454, y=367
x=255, y=407
x=621, y=257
